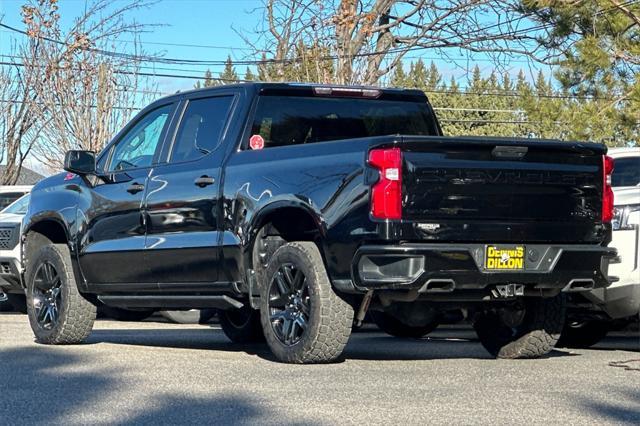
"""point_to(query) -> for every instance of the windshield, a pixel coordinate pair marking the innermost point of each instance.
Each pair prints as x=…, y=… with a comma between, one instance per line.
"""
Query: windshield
x=626, y=172
x=20, y=206
x=292, y=120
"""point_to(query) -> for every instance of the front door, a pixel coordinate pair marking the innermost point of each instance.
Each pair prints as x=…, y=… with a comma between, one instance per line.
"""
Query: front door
x=182, y=205
x=112, y=246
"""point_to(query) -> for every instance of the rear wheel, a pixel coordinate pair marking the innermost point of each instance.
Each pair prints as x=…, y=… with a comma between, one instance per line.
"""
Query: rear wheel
x=303, y=319
x=528, y=328
x=583, y=334
x=241, y=325
x=58, y=313
x=394, y=327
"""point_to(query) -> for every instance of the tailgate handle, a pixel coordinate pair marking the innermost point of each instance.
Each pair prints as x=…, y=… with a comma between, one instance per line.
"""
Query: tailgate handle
x=510, y=152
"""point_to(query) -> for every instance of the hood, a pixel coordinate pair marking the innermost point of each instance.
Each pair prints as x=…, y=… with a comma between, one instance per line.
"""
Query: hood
x=10, y=218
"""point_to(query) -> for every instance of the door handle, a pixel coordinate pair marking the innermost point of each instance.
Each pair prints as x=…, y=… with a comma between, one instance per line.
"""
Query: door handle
x=203, y=181
x=134, y=188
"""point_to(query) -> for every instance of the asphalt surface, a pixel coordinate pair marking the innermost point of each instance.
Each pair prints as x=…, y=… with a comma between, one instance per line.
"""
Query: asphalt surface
x=159, y=373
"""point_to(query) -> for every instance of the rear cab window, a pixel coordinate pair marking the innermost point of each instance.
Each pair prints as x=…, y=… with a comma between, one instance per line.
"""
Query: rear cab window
x=201, y=128
x=283, y=119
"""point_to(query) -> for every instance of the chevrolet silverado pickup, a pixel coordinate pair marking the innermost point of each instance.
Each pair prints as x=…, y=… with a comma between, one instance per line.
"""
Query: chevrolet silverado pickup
x=296, y=209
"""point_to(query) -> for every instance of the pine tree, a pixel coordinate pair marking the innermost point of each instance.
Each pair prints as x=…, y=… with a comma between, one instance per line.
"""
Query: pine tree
x=399, y=77
x=434, y=77
x=248, y=75
x=208, y=79
x=229, y=75
x=418, y=75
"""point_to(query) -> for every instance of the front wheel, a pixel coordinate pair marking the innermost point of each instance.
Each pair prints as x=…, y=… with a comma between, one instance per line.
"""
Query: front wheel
x=528, y=328
x=58, y=313
x=303, y=319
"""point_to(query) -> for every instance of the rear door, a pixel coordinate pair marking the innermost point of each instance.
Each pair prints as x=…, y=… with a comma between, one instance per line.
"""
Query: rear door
x=112, y=247
x=182, y=206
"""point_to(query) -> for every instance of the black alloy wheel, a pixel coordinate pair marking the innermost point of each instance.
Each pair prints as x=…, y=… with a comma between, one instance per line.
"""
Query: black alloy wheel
x=47, y=295
x=289, y=304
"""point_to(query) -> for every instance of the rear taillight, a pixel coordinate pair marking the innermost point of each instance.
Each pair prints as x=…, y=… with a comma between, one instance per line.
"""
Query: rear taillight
x=386, y=193
x=607, y=191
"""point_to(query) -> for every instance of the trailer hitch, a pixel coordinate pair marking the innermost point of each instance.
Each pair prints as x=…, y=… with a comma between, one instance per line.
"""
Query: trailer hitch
x=503, y=291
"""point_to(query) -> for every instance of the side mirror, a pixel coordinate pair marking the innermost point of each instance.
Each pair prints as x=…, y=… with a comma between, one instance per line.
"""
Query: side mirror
x=80, y=162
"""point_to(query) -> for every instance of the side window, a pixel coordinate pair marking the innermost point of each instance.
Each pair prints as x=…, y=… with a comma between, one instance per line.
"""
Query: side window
x=137, y=147
x=200, y=128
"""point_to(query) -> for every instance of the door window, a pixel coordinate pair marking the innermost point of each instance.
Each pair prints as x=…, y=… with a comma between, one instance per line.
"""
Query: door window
x=137, y=148
x=201, y=128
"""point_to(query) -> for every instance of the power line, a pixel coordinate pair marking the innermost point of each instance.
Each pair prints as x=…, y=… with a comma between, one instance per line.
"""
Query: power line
x=443, y=44
x=145, y=74
x=183, y=61
x=440, y=91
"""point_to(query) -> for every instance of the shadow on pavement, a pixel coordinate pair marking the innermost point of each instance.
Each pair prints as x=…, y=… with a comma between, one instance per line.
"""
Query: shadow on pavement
x=617, y=412
x=44, y=385
x=41, y=384
x=364, y=345
x=204, y=338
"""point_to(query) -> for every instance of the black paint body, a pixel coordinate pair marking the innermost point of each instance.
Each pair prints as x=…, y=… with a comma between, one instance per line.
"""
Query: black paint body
x=176, y=237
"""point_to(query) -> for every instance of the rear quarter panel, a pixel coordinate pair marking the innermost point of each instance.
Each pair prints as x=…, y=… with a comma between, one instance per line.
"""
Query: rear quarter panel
x=326, y=179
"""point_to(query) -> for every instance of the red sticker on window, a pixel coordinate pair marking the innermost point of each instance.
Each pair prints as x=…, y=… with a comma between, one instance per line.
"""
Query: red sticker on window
x=256, y=142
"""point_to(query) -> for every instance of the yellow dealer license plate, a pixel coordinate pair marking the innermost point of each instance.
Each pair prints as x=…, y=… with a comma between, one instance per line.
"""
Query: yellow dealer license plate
x=504, y=258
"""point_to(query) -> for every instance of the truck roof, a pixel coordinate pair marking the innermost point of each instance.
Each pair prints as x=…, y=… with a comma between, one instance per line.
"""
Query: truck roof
x=293, y=86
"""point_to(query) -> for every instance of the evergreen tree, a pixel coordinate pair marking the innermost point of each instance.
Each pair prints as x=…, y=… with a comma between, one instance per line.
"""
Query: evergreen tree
x=208, y=81
x=418, y=75
x=399, y=77
x=229, y=75
x=434, y=77
x=248, y=75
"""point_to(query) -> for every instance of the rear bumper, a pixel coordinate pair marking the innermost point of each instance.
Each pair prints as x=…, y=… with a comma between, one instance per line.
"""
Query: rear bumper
x=450, y=267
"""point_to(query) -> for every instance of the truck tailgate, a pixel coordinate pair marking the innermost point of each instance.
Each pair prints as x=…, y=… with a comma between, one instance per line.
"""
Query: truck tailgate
x=481, y=180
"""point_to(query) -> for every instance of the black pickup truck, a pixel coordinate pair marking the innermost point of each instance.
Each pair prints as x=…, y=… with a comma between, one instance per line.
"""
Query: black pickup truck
x=296, y=209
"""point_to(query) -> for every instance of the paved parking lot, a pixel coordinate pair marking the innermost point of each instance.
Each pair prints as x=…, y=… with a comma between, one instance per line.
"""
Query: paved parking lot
x=162, y=373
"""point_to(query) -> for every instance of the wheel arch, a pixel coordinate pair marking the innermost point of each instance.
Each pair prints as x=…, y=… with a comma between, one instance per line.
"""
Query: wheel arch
x=287, y=221
x=38, y=233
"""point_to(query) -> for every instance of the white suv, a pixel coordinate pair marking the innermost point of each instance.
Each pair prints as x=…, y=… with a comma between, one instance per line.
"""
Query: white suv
x=10, y=222
x=595, y=313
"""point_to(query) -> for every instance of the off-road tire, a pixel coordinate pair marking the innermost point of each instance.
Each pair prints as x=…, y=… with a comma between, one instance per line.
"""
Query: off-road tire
x=18, y=302
x=394, y=327
x=76, y=314
x=534, y=337
x=583, y=334
x=120, y=314
x=241, y=325
x=330, y=317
